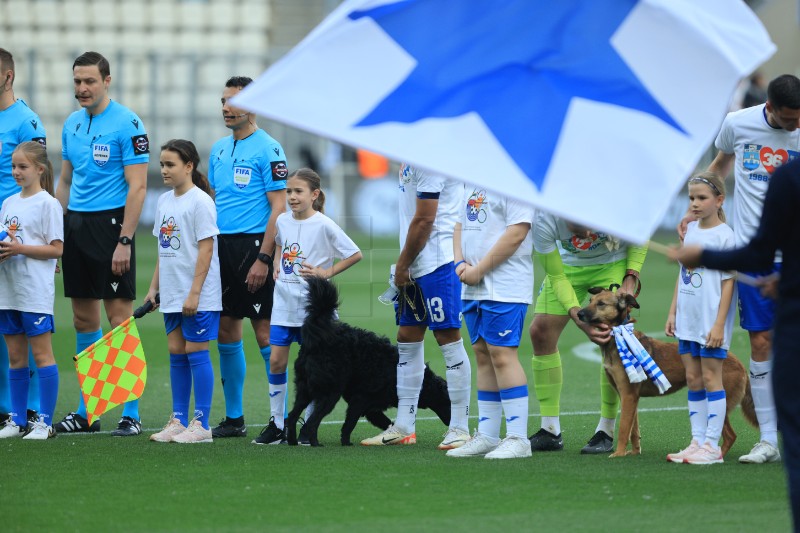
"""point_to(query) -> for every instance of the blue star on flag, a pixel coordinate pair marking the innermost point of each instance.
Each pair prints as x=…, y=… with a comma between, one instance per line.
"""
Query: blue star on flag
x=515, y=63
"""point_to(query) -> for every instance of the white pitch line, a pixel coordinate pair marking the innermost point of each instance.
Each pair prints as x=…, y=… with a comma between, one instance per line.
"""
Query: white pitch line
x=419, y=418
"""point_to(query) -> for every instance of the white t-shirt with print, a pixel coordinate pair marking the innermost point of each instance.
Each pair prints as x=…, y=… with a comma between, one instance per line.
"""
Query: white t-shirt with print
x=598, y=249
x=700, y=290
x=29, y=284
x=316, y=241
x=485, y=217
x=415, y=183
x=181, y=223
x=759, y=149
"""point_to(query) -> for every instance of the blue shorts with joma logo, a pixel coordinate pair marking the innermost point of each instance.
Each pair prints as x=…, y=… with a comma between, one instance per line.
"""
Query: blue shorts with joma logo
x=202, y=327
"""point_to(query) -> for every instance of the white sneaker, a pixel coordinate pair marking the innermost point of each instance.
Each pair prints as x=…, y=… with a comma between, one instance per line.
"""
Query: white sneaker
x=390, y=436
x=705, y=455
x=40, y=431
x=477, y=446
x=454, y=438
x=194, y=433
x=763, y=452
x=11, y=430
x=511, y=447
x=173, y=428
x=684, y=453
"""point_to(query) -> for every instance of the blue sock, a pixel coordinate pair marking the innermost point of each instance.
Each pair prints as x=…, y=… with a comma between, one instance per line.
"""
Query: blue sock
x=83, y=341
x=48, y=386
x=5, y=392
x=232, y=368
x=203, y=376
x=18, y=380
x=180, y=376
x=33, y=388
x=131, y=409
x=266, y=352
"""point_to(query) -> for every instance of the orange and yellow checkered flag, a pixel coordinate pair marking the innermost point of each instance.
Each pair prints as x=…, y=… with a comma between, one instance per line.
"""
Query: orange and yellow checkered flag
x=113, y=370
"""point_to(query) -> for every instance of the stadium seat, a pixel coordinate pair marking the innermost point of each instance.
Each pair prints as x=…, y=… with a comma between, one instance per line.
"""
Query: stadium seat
x=222, y=15
x=18, y=13
x=132, y=17
x=71, y=14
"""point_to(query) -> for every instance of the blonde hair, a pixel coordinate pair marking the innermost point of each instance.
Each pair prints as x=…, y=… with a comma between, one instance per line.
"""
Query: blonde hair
x=37, y=154
x=714, y=182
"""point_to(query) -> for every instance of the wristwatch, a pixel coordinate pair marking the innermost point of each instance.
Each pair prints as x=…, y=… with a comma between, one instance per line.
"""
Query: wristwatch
x=264, y=258
x=125, y=240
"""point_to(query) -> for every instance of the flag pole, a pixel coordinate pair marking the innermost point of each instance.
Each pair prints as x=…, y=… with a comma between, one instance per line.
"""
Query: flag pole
x=102, y=339
x=664, y=250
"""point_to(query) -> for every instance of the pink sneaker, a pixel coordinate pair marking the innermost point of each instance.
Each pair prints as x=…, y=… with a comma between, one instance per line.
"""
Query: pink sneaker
x=681, y=455
x=173, y=428
x=193, y=434
x=705, y=455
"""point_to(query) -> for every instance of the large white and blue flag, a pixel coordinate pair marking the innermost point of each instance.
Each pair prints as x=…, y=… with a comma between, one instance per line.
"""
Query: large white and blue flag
x=595, y=110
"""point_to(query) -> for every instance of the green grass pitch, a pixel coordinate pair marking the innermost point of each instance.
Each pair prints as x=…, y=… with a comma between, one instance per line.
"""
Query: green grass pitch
x=101, y=483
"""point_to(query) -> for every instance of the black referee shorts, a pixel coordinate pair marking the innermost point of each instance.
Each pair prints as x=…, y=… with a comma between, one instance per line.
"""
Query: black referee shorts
x=90, y=239
x=237, y=253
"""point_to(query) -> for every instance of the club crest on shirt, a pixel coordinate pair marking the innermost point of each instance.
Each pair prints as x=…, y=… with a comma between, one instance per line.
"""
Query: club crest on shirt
x=405, y=176
x=582, y=243
x=241, y=177
x=291, y=258
x=169, y=236
x=14, y=227
x=475, y=210
x=101, y=154
x=691, y=277
x=751, y=159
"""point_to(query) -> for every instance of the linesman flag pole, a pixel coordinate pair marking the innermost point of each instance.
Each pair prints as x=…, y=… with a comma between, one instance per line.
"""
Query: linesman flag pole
x=113, y=370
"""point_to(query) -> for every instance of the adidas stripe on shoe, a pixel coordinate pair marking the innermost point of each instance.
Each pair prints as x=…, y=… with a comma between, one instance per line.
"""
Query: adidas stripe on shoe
x=75, y=423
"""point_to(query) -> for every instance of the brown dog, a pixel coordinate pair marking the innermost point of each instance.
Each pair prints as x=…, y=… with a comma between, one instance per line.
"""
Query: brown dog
x=606, y=307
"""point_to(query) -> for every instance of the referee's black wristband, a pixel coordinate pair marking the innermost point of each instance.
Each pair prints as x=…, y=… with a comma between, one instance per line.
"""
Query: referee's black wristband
x=264, y=258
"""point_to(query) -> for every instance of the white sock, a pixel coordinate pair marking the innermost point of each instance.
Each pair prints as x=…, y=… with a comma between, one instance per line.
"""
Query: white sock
x=490, y=413
x=761, y=387
x=698, y=415
x=716, y=416
x=515, y=407
x=607, y=426
x=459, y=383
x=276, y=404
x=552, y=424
x=309, y=410
x=410, y=373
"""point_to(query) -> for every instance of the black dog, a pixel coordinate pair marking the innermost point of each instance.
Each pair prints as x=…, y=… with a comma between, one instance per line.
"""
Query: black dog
x=337, y=360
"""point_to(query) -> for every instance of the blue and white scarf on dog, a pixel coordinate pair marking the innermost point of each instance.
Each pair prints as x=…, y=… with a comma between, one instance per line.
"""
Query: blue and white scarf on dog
x=637, y=362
